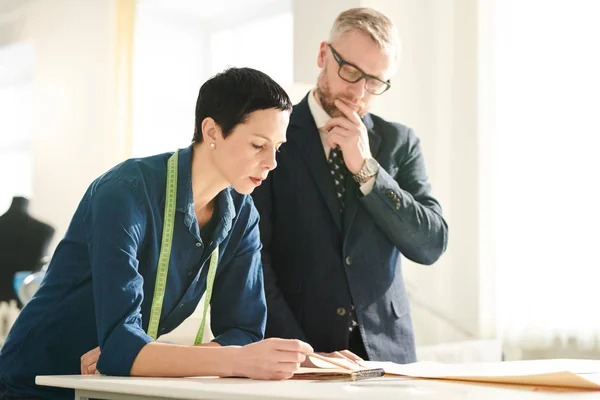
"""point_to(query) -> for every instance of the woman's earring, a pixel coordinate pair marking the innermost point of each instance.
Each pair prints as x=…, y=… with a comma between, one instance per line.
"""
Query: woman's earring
x=212, y=145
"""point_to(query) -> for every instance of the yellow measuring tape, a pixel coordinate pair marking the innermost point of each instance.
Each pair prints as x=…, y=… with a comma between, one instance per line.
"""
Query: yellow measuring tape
x=165, y=255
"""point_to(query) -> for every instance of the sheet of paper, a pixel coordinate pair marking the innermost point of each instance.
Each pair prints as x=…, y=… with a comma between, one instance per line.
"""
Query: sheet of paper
x=558, y=373
x=499, y=369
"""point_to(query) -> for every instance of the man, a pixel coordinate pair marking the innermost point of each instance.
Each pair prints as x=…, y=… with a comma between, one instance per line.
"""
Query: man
x=350, y=194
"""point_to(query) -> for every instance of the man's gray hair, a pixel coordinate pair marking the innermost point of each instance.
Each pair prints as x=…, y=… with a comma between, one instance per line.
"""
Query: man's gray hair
x=371, y=22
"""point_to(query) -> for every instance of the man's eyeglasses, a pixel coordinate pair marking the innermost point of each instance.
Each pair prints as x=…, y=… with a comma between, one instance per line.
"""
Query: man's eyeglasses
x=352, y=74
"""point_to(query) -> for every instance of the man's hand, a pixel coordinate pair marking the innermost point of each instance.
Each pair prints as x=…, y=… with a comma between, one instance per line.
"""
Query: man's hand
x=273, y=358
x=345, y=355
x=89, y=361
x=350, y=134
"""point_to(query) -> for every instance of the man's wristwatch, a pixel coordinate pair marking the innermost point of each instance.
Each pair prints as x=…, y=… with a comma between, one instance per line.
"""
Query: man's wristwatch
x=369, y=169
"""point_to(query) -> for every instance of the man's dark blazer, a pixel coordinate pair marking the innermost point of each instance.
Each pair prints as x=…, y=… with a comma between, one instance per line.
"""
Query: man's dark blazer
x=317, y=261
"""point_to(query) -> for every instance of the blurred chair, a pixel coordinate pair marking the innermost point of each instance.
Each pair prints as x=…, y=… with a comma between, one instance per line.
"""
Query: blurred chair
x=18, y=279
x=30, y=283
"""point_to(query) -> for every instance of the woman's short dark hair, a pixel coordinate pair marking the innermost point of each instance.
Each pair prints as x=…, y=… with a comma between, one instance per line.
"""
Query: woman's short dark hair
x=231, y=95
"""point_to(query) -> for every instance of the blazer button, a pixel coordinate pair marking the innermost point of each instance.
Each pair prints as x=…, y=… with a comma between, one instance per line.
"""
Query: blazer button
x=398, y=206
x=341, y=311
x=348, y=260
x=390, y=194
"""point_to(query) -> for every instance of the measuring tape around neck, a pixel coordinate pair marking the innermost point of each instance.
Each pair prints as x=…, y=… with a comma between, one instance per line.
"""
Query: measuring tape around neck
x=165, y=255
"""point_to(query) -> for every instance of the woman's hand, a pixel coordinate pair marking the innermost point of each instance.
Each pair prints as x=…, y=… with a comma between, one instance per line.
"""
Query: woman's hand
x=271, y=358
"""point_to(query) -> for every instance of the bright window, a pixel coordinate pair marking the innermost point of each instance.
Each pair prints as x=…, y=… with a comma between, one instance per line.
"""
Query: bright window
x=16, y=102
x=546, y=71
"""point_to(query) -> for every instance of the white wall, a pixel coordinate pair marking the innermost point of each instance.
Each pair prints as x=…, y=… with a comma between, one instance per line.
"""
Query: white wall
x=178, y=46
x=169, y=65
x=73, y=87
x=436, y=94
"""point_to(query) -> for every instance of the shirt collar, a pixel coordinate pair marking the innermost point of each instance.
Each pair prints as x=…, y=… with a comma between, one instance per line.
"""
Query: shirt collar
x=320, y=116
x=185, y=198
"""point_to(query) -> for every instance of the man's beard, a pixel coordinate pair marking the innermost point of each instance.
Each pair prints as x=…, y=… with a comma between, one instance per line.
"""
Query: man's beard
x=327, y=99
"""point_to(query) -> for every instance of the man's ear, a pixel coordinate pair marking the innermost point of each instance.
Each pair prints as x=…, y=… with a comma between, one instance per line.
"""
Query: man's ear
x=322, y=53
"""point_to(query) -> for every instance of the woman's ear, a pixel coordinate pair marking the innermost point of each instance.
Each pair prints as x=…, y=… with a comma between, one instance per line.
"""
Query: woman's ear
x=210, y=130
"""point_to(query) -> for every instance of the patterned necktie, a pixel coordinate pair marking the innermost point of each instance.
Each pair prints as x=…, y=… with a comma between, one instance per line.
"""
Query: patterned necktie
x=338, y=173
x=338, y=170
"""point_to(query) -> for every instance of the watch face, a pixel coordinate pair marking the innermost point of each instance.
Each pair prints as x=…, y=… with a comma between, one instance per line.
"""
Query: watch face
x=372, y=165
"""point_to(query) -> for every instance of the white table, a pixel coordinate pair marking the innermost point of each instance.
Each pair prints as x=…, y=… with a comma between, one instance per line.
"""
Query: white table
x=385, y=388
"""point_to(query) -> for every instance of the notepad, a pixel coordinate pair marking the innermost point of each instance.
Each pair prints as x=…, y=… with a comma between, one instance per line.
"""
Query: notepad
x=329, y=368
x=337, y=374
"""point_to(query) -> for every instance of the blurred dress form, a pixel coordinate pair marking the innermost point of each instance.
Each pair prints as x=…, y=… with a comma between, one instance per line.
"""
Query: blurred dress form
x=24, y=242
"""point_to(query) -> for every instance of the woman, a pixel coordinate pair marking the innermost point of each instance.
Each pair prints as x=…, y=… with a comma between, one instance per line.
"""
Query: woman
x=144, y=245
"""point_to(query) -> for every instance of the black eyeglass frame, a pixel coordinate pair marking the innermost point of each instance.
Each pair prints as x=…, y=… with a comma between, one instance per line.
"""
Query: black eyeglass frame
x=341, y=62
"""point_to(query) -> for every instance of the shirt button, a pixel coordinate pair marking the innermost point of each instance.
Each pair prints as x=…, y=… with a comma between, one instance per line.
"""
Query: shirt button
x=162, y=330
x=198, y=244
x=190, y=273
x=348, y=260
x=181, y=305
x=341, y=311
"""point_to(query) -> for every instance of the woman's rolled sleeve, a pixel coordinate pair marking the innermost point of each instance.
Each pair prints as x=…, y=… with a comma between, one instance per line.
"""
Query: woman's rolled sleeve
x=115, y=228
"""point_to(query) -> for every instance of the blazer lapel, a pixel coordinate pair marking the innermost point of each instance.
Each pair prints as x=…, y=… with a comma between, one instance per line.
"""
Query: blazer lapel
x=374, y=138
x=306, y=136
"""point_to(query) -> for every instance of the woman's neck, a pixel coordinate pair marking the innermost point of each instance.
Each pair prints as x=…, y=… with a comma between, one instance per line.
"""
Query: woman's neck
x=207, y=181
